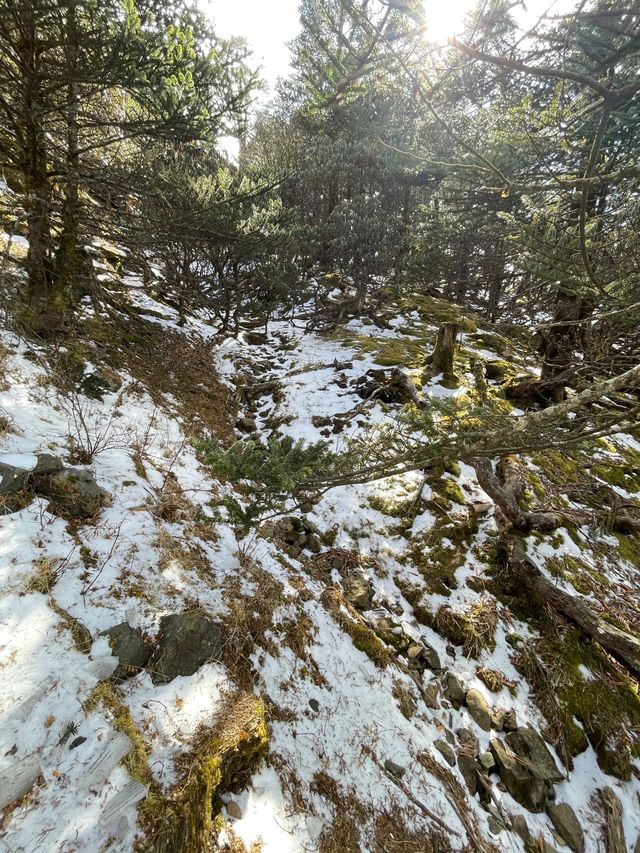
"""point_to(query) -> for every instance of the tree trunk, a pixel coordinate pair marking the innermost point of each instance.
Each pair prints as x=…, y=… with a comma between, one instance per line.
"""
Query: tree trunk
x=35, y=178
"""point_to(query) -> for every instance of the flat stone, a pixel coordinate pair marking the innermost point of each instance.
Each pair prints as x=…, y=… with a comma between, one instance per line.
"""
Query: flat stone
x=510, y=721
x=566, y=824
x=530, y=747
x=445, y=751
x=479, y=709
x=131, y=649
x=497, y=719
x=185, y=642
x=521, y=828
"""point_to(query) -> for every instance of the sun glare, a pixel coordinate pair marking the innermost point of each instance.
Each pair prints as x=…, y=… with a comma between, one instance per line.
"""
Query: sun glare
x=444, y=18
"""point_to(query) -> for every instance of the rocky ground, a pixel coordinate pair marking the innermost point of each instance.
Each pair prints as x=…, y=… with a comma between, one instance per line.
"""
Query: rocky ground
x=360, y=674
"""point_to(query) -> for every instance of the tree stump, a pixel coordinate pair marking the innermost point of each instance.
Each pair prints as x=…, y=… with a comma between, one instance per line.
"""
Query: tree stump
x=441, y=359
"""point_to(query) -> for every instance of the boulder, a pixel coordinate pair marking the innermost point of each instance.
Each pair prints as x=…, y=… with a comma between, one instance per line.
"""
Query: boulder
x=185, y=642
x=131, y=649
x=72, y=493
x=487, y=761
x=479, y=709
x=468, y=740
x=567, y=826
x=526, y=768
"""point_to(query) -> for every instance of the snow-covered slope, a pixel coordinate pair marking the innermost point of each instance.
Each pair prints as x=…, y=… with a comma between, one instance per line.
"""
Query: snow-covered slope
x=385, y=649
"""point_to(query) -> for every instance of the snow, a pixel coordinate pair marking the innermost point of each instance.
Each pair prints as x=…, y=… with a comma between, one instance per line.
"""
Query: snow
x=132, y=565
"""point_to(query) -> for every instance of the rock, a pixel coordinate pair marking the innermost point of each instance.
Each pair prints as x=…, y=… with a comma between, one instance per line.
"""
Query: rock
x=95, y=385
x=614, y=829
x=186, y=641
x=72, y=493
x=321, y=421
x=430, y=696
x=445, y=751
x=510, y=721
x=314, y=705
x=453, y=689
x=526, y=768
x=12, y=481
x=479, y=709
x=314, y=543
x=431, y=657
x=255, y=339
x=497, y=719
x=495, y=826
x=469, y=768
x=467, y=740
x=233, y=810
x=131, y=649
x=12, y=478
x=414, y=651
x=521, y=827
x=246, y=424
x=394, y=769
x=358, y=591
x=76, y=742
x=486, y=761
x=481, y=507
x=566, y=823
x=47, y=464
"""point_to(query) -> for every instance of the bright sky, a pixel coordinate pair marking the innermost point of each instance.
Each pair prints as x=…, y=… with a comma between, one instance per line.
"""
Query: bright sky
x=268, y=25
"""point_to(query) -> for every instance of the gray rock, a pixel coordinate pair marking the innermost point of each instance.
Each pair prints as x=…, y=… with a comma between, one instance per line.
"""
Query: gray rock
x=468, y=740
x=186, y=641
x=72, y=493
x=358, y=591
x=479, y=709
x=131, y=649
x=95, y=385
x=566, y=824
x=445, y=751
x=526, y=768
x=469, y=768
x=495, y=826
x=521, y=827
x=453, y=689
x=47, y=464
x=431, y=657
x=12, y=481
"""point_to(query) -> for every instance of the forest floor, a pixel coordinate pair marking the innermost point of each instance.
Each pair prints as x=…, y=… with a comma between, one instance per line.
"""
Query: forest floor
x=372, y=659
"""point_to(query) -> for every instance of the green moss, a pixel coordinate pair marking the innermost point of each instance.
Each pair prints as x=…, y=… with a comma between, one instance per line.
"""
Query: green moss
x=107, y=696
x=500, y=370
x=491, y=341
x=563, y=467
x=624, y=473
x=604, y=703
x=222, y=758
x=367, y=641
x=629, y=549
